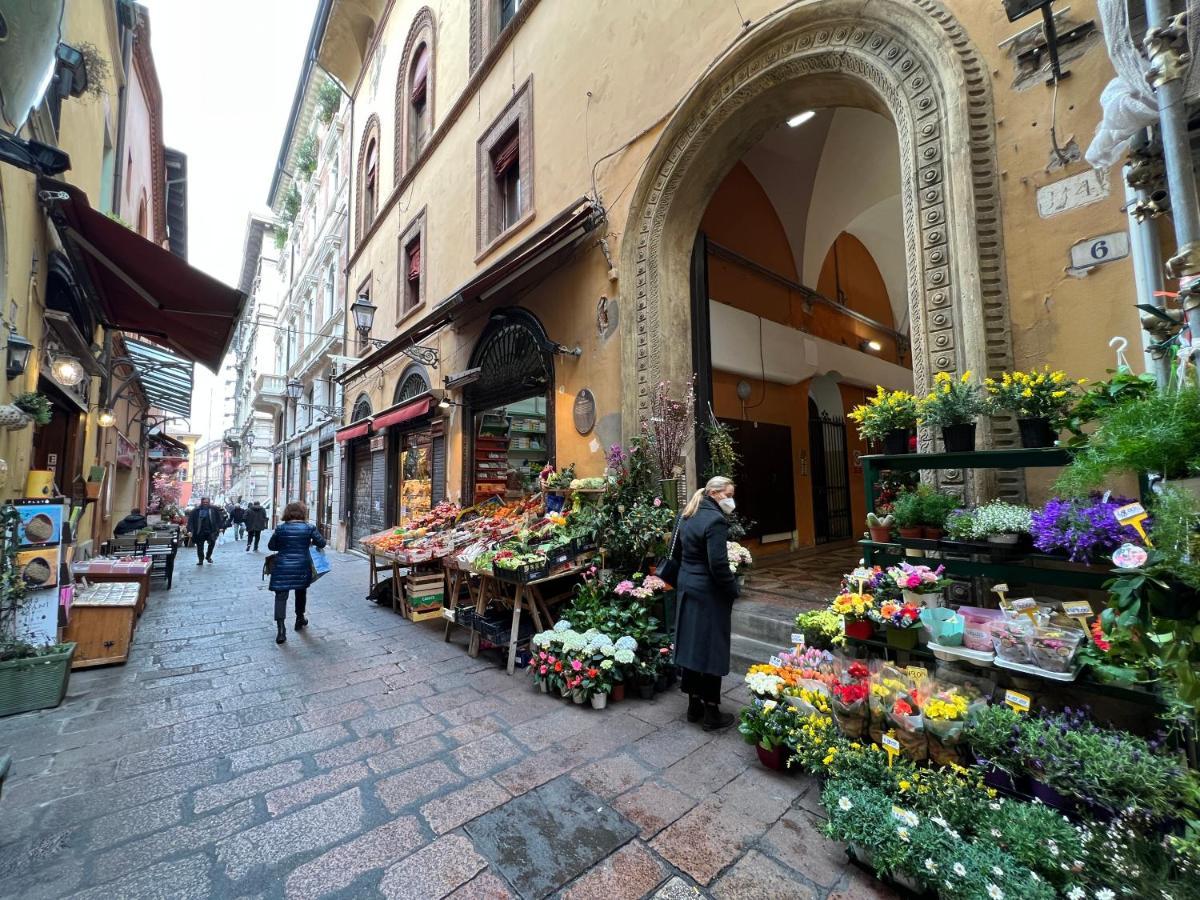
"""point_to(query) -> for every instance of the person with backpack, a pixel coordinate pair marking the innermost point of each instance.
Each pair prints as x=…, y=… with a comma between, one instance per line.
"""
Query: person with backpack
x=292, y=567
x=255, y=521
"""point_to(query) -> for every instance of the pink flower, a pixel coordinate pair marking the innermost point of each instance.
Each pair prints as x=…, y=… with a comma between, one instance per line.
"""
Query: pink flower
x=658, y=501
x=624, y=587
x=592, y=570
x=543, y=669
x=542, y=655
x=576, y=665
x=664, y=651
x=914, y=581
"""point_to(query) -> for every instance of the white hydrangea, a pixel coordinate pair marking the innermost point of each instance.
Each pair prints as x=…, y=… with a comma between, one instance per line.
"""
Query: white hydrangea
x=608, y=650
x=626, y=643
x=602, y=640
x=562, y=625
x=623, y=655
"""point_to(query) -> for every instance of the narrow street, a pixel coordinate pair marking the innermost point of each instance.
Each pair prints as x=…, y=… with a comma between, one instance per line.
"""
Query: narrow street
x=366, y=757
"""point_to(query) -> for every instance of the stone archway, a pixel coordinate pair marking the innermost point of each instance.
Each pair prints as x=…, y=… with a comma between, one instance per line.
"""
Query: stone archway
x=909, y=60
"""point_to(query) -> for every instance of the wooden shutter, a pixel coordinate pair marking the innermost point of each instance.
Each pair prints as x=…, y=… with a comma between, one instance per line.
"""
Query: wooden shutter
x=507, y=152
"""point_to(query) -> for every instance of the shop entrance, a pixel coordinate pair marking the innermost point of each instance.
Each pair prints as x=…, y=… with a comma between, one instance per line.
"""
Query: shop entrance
x=325, y=494
x=58, y=445
x=510, y=408
x=368, y=474
x=830, y=476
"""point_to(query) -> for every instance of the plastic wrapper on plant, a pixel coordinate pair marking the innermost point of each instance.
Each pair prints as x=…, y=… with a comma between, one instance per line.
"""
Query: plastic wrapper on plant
x=945, y=626
x=1053, y=648
x=944, y=715
x=849, y=704
x=1010, y=640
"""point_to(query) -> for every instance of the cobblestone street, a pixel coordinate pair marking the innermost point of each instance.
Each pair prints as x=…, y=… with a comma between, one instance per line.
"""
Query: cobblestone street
x=366, y=757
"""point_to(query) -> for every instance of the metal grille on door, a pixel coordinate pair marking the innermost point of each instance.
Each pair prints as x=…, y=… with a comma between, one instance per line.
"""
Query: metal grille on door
x=830, y=478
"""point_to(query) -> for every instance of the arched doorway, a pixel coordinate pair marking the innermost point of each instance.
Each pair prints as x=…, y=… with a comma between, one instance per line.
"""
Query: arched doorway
x=509, y=408
x=907, y=61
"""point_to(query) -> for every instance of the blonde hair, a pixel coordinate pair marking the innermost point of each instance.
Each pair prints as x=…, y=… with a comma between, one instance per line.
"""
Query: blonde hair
x=716, y=483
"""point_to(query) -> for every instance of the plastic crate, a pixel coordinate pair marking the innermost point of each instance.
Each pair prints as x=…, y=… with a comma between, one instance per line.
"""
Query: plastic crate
x=523, y=574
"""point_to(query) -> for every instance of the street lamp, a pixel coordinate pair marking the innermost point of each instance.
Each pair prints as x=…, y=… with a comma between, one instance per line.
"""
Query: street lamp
x=294, y=389
x=364, y=314
x=67, y=371
x=106, y=418
x=19, y=349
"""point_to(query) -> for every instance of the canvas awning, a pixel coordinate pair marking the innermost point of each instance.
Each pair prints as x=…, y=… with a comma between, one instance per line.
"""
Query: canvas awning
x=533, y=260
x=139, y=287
x=350, y=432
x=405, y=412
x=166, y=378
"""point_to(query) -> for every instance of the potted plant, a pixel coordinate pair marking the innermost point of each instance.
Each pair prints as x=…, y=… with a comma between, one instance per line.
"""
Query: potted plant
x=740, y=561
x=960, y=525
x=36, y=406
x=647, y=673
x=821, y=628
x=33, y=677
x=901, y=623
x=1085, y=529
x=1041, y=402
x=953, y=405
x=13, y=418
x=908, y=513
x=919, y=585
x=597, y=683
x=667, y=431
x=1002, y=523
x=888, y=417
x=764, y=725
x=880, y=527
x=992, y=732
x=935, y=507
x=854, y=608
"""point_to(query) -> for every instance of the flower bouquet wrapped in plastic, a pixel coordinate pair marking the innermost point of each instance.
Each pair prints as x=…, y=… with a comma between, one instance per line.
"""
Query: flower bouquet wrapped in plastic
x=945, y=717
x=886, y=681
x=904, y=715
x=849, y=702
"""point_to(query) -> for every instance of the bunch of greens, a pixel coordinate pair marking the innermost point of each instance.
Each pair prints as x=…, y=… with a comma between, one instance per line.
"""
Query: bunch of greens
x=821, y=628
x=1104, y=396
x=36, y=406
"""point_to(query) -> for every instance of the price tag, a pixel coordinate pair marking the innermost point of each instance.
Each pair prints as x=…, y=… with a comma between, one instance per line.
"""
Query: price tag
x=1018, y=701
x=1129, y=556
x=1028, y=606
x=1133, y=514
x=798, y=639
x=776, y=662
x=916, y=673
x=448, y=613
x=1079, y=610
x=892, y=746
x=1001, y=590
x=903, y=815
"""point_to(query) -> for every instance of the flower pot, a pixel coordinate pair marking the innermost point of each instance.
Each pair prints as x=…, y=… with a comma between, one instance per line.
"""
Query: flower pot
x=13, y=418
x=896, y=442
x=669, y=490
x=599, y=701
x=902, y=638
x=646, y=690
x=577, y=697
x=1049, y=795
x=741, y=581
x=881, y=534
x=1008, y=540
x=564, y=692
x=959, y=438
x=36, y=683
x=1036, y=433
x=662, y=682
x=772, y=759
x=545, y=687
x=912, y=533
x=617, y=694
x=860, y=629
x=998, y=779
x=933, y=532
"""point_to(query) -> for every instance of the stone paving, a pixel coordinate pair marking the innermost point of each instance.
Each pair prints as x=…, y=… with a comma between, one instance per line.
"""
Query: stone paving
x=368, y=758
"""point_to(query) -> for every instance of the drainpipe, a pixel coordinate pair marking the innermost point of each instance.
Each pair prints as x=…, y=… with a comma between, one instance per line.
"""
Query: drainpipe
x=1165, y=43
x=1146, y=257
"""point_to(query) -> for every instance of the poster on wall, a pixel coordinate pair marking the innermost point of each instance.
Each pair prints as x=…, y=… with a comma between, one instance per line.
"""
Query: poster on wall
x=37, y=618
x=41, y=522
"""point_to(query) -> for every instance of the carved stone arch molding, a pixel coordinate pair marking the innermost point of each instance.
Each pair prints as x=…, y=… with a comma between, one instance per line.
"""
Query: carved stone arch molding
x=909, y=60
x=422, y=31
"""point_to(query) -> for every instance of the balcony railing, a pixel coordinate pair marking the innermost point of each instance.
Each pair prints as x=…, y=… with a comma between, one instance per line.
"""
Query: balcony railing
x=270, y=392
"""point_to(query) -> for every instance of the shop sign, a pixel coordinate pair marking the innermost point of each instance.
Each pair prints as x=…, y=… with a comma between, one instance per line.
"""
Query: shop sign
x=378, y=443
x=1096, y=251
x=584, y=411
x=126, y=452
x=1071, y=193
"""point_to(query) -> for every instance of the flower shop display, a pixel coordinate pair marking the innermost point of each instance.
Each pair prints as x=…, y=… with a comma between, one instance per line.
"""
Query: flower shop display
x=848, y=700
x=1040, y=400
x=1054, y=647
x=888, y=417
x=997, y=522
x=822, y=628
x=633, y=522
x=909, y=515
x=901, y=623
x=855, y=607
x=667, y=431
x=944, y=715
x=740, y=559
x=919, y=585
x=1085, y=529
x=945, y=626
x=953, y=406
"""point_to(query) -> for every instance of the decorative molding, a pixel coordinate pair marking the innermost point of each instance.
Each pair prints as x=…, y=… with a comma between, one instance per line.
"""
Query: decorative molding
x=918, y=62
x=370, y=130
x=422, y=31
x=415, y=230
x=519, y=112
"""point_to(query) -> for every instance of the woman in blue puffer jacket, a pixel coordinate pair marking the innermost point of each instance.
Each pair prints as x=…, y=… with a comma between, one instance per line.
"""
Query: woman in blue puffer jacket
x=292, y=569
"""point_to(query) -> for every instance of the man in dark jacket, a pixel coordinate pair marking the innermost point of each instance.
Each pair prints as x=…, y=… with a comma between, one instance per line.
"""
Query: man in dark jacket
x=205, y=523
x=256, y=524
x=132, y=523
x=238, y=518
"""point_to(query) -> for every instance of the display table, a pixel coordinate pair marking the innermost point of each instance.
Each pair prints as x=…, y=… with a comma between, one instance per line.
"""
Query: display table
x=99, y=571
x=101, y=623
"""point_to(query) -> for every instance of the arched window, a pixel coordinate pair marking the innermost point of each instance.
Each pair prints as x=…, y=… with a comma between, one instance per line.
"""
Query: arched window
x=143, y=219
x=362, y=408
x=414, y=92
x=368, y=177
x=419, y=117
x=413, y=383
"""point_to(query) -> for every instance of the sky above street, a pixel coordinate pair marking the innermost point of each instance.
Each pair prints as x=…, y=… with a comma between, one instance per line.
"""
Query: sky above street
x=228, y=71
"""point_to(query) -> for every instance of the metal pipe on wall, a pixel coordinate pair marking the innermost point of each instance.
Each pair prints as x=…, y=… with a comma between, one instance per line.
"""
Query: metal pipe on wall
x=1147, y=273
x=1165, y=43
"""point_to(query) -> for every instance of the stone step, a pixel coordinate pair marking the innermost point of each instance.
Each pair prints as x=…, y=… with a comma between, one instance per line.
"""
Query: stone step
x=745, y=652
x=764, y=622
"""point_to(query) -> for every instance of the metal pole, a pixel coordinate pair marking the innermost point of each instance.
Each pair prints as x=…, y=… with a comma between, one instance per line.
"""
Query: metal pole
x=1147, y=274
x=1165, y=42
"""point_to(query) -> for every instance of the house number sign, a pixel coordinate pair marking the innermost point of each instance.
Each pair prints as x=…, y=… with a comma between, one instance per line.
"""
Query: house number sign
x=1096, y=251
x=1071, y=193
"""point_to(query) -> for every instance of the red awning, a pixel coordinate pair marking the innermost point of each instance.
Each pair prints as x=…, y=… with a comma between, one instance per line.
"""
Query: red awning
x=413, y=409
x=350, y=432
x=138, y=286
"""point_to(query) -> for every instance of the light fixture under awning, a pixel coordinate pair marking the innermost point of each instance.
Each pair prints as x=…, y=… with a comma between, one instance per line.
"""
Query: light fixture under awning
x=411, y=409
x=138, y=286
x=166, y=379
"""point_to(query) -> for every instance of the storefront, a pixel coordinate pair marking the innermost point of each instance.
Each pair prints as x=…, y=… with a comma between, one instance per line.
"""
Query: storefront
x=326, y=479
x=509, y=408
x=416, y=448
x=366, y=479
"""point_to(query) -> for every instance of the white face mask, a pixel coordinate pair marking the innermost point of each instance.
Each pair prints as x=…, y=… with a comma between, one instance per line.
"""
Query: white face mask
x=727, y=505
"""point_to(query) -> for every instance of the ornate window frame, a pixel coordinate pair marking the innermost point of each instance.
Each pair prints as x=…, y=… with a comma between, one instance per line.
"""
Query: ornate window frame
x=422, y=33
x=370, y=133
x=416, y=230
x=517, y=112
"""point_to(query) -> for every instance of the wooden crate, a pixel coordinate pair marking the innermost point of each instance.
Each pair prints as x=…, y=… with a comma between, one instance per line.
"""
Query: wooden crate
x=425, y=613
x=102, y=634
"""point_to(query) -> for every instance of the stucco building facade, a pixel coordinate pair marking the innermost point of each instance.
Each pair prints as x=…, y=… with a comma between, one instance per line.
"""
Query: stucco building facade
x=580, y=204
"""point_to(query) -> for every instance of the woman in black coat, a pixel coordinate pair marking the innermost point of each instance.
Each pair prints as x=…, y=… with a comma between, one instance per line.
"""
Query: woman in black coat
x=292, y=568
x=705, y=592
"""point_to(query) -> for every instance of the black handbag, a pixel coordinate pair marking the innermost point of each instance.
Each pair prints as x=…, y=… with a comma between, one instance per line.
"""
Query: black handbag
x=269, y=565
x=667, y=569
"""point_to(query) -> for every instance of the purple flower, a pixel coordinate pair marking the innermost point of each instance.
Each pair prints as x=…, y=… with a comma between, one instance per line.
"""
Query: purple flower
x=1084, y=529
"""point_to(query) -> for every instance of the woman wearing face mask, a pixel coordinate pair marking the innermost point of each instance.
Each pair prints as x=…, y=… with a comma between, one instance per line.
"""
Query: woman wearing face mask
x=706, y=591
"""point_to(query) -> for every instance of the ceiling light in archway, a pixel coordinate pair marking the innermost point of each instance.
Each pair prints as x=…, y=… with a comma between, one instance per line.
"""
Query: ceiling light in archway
x=800, y=118
x=870, y=346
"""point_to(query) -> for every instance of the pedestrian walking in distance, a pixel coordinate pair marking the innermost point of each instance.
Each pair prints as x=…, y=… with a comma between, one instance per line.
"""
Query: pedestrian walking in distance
x=205, y=523
x=706, y=591
x=256, y=524
x=292, y=569
x=238, y=517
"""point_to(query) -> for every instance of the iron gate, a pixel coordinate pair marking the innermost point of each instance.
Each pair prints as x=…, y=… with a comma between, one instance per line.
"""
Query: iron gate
x=830, y=478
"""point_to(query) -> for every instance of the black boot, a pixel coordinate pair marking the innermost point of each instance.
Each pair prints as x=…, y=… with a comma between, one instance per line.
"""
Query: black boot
x=282, y=635
x=714, y=719
x=695, y=708
x=300, y=622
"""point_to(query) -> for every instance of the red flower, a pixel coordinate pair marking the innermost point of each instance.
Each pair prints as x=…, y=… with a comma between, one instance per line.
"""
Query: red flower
x=592, y=673
x=558, y=667
x=1098, y=637
x=858, y=670
x=901, y=708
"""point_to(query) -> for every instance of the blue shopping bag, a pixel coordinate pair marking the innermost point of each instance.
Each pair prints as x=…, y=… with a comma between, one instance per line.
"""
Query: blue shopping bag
x=320, y=565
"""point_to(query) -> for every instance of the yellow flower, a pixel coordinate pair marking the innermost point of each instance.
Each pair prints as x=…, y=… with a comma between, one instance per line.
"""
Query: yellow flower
x=1058, y=394
x=1028, y=392
x=966, y=376
x=904, y=785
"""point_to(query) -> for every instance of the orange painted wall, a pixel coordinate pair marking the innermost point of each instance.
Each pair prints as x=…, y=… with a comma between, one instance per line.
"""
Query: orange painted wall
x=865, y=293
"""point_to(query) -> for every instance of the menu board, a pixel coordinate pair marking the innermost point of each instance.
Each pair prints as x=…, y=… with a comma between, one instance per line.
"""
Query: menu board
x=41, y=522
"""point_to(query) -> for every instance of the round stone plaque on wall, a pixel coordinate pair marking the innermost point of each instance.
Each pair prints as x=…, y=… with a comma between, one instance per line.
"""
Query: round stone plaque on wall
x=584, y=411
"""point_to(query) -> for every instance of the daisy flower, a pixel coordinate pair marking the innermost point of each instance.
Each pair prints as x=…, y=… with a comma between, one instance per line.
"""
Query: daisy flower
x=994, y=892
x=903, y=832
x=845, y=805
x=1076, y=893
x=1104, y=894
x=930, y=866
x=960, y=870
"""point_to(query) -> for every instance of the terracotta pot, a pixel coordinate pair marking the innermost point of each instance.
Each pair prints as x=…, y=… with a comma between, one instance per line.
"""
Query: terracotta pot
x=617, y=694
x=933, y=532
x=881, y=534
x=915, y=532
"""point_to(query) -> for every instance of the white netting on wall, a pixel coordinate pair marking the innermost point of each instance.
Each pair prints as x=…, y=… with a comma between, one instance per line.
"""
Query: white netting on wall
x=1127, y=102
